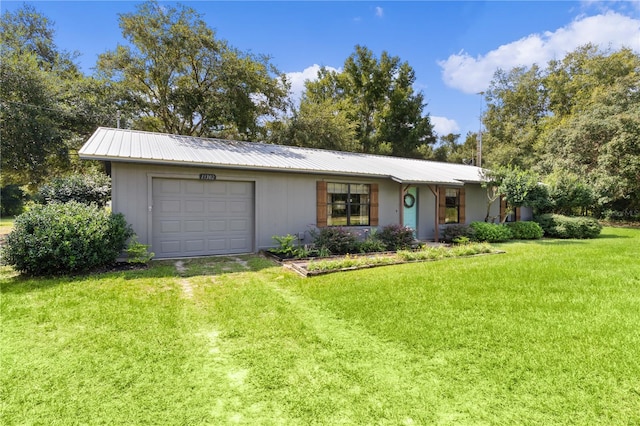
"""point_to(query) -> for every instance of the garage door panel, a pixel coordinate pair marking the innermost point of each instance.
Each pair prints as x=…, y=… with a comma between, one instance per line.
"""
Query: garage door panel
x=169, y=187
x=194, y=206
x=168, y=246
x=238, y=188
x=217, y=207
x=169, y=226
x=170, y=206
x=217, y=245
x=238, y=206
x=238, y=243
x=194, y=187
x=220, y=188
x=194, y=246
x=192, y=218
x=194, y=225
x=217, y=225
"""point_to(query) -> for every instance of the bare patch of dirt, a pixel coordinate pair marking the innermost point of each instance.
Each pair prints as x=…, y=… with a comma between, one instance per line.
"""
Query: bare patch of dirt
x=185, y=284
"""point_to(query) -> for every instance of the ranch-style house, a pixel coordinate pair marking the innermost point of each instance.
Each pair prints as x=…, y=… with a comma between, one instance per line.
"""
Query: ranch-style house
x=189, y=196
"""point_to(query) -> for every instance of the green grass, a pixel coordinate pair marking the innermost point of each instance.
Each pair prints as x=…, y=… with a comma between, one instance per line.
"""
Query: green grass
x=6, y=224
x=547, y=333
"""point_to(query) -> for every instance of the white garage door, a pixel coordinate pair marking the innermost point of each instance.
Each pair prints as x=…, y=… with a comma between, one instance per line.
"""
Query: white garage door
x=195, y=217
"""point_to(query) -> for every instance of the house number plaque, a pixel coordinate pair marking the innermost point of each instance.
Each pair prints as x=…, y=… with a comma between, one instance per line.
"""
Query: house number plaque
x=207, y=176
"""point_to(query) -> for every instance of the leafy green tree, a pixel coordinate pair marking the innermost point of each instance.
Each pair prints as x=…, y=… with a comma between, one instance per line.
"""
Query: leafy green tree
x=451, y=151
x=378, y=97
x=316, y=125
x=27, y=32
x=447, y=147
x=48, y=108
x=580, y=114
x=181, y=79
x=515, y=107
x=31, y=69
x=568, y=193
x=517, y=187
x=29, y=136
x=599, y=138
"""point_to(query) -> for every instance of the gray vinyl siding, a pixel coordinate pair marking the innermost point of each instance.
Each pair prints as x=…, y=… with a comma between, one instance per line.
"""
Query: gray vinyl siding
x=476, y=201
x=285, y=203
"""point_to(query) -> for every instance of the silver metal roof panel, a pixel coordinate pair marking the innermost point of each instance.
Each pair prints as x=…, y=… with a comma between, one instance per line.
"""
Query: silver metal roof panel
x=160, y=148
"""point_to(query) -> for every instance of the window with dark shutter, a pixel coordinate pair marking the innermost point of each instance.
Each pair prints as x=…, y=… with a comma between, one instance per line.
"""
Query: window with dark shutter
x=346, y=204
x=451, y=206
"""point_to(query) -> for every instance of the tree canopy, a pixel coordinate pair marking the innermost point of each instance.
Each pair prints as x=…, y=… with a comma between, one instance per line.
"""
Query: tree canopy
x=579, y=114
x=179, y=78
x=48, y=107
x=377, y=97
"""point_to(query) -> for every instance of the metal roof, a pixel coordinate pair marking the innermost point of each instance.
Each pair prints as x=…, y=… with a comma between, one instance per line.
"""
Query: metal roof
x=160, y=148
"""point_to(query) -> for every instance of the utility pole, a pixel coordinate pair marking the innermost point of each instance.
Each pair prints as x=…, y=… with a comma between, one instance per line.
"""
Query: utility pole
x=479, y=162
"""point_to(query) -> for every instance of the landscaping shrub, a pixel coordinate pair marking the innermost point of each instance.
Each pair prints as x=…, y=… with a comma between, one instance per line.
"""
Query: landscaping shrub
x=490, y=232
x=452, y=233
x=60, y=238
x=335, y=239
x=137, y=252
x=559, y=226
x=396, y=237
x=85, y=189
x=525, y=230
x=372, y=243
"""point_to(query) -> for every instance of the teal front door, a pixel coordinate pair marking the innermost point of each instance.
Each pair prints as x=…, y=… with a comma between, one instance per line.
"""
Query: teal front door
x=410, y=209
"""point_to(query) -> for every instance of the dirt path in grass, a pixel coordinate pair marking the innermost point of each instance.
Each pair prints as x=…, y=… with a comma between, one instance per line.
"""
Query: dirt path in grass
x=185, y=284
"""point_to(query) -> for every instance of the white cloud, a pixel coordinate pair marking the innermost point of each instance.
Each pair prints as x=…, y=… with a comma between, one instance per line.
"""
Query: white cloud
x=443, y=125
x=379, y=12
x=472, y=75
x=298, y=79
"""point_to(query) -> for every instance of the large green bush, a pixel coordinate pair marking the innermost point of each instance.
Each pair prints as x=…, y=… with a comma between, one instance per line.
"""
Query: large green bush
x=559, y=226
x=84, y=188
x=490, y=232
x=525, y=230
x=396, y=237
x=61, y=238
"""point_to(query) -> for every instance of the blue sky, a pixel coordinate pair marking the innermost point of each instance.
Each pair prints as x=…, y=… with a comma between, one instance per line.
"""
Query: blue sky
x=454, y=46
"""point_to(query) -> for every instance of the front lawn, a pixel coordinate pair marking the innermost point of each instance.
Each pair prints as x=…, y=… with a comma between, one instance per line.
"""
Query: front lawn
x=547, y=333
